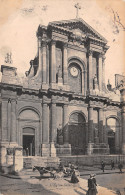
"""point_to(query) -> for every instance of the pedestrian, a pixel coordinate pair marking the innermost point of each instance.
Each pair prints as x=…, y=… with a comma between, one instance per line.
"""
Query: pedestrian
x=120, y=166
x=112, y=165
x=74, y=178
x=102, y=166
x=92, y=190
x=27, y=151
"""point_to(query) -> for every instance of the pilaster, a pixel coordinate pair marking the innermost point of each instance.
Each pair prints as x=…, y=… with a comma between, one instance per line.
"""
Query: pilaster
x=100, y=125
x=4, y=116
x=65, y=66
x=65, y=124
x=90, y=125
x=90, y=54
x=100, y=72
x=9, y=119
x=13, y=121
x=45, y=129
x=103, y=70
x=53, y=63
x=44, y=62
x=39, y=71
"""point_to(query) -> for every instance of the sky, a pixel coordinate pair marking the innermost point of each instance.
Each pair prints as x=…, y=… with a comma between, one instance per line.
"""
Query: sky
x=20, y=19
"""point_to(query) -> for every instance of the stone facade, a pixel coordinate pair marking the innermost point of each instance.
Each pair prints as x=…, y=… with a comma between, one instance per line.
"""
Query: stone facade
x=62, y=107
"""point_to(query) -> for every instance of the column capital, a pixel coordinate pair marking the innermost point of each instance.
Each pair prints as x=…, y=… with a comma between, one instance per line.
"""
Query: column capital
x=44, y=43
x=39, y=41
x=100, y=55
x=53, y=99
x=90, y=52
x=103, y=57
x=65, y=45
x=53, y=42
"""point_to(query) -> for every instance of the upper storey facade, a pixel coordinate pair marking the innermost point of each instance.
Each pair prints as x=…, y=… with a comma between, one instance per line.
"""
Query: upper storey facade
x=70, y=57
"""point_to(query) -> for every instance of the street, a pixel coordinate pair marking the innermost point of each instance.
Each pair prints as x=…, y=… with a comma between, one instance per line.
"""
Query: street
x=107, y=184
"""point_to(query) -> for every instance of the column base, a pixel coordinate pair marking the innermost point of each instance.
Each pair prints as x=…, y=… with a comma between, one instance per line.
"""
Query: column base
x=90, y=148
x=52, y=150
x=45, y=149
x=97, y=149
x=3, y=152
x=18, y=159
x=66, y=87
x=63, y=150
x=123, y=148
x=44, y=86
x=54, y=86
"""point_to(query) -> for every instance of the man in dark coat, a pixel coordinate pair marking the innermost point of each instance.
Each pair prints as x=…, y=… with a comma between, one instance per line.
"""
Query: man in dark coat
x=92, y=185
x=112, y=165
x=120, y=166
x=102, y=166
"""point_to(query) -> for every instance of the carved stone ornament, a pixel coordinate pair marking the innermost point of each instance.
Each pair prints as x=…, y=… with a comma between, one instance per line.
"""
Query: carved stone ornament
x=77, y=37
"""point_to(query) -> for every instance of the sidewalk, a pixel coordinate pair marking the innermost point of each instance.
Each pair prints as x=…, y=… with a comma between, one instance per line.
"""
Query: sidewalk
x=62, y=186
x=26, y=173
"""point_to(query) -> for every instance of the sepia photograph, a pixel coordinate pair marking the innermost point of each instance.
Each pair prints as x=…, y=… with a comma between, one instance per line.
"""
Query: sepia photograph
x=62, y=97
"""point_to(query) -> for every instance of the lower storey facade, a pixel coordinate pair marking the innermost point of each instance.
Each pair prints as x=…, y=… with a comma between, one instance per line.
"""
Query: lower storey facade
x=55, y=123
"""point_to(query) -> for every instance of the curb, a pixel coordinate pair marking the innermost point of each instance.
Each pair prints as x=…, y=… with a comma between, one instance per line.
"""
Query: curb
x=10, y=176
x=101, y=173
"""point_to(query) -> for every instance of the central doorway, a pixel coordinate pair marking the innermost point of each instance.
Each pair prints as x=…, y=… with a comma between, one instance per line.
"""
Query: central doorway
x=28, y=142
x=77, y=134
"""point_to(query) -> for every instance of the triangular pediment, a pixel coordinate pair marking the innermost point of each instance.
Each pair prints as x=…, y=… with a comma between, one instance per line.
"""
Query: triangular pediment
x=78, y=26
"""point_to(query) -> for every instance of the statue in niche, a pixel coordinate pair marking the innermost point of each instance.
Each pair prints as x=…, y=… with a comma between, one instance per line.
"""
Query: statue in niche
x=59, y=135
x=59, y=72
x=95, y=82
x=96, y=132
x=96, y=135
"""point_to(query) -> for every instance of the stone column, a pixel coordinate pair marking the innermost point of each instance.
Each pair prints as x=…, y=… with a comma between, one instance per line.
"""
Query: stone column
x=44, y=61
x=9, y=119
x=65, y=65
x=84, y=83
x=100, y=125
x=4, y=120
x=103, y=70
x=90, y=125
x=105, y=135
x=13, y=121
x=90, y=53
x=53, y=63
x=45, y=130
x=53, y=127
x=100, y=72
x=39, y=71
x=65, y=124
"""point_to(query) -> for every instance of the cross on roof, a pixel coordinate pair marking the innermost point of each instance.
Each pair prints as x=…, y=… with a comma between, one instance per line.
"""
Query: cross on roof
x=77, y=6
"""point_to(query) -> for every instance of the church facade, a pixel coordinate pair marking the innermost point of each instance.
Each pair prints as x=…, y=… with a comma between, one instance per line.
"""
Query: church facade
x=63, y=106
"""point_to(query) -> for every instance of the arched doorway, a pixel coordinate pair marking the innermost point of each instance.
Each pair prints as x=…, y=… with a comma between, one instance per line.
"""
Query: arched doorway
x=28, y=141
x=77, y=133
x=113, y=129
x=29, y=135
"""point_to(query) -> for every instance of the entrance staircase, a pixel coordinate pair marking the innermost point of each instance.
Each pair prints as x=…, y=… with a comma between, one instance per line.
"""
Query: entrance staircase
x=31, y=161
